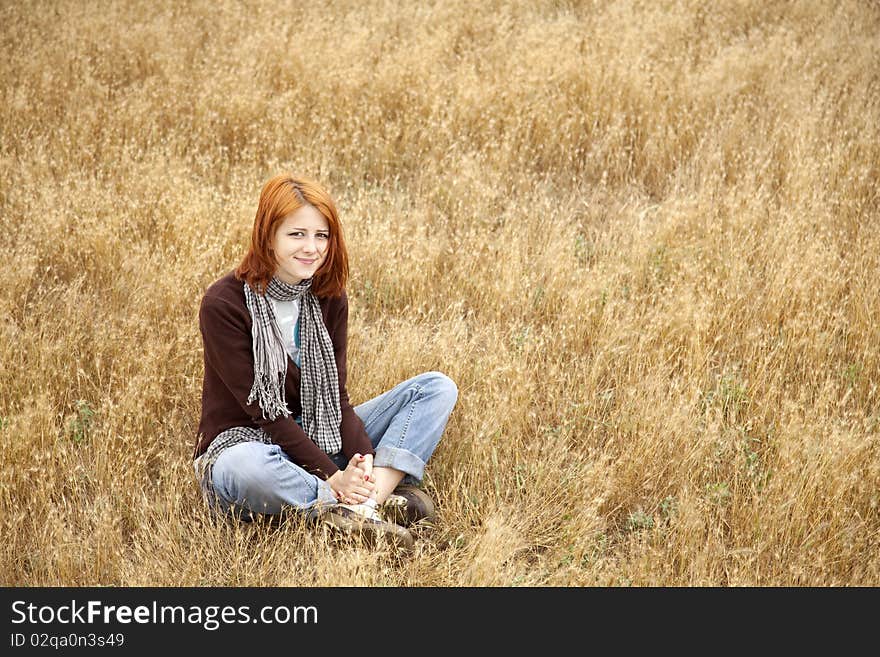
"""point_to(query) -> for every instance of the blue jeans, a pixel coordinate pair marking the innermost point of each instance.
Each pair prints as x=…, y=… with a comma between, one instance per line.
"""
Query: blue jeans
x=404, y=426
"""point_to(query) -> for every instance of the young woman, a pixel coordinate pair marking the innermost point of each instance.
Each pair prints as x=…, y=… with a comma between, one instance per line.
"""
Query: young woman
x=277, y=428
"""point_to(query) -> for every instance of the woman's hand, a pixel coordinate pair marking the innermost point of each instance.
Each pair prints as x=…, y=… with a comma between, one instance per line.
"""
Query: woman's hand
x=353, y=485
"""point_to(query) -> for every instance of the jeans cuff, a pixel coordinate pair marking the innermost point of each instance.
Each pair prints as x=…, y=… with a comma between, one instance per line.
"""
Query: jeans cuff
x=325, y=498
x=325, y=493
x=400, y=459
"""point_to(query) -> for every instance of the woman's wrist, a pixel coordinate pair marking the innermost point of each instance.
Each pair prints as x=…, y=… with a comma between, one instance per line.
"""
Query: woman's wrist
x=335, y=481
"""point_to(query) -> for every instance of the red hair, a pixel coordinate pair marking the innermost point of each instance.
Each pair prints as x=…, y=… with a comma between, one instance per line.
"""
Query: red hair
x=282, y=195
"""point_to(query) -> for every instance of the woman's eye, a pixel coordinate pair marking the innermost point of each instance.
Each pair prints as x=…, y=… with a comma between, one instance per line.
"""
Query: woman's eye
x=323, y=236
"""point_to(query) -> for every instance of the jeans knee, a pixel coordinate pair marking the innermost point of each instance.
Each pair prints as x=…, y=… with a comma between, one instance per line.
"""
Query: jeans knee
x=247, y=479
x=442, y=386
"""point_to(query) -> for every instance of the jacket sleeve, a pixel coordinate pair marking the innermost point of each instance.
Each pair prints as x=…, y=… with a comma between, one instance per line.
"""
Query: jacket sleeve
x=228, y=350
x=354, y=437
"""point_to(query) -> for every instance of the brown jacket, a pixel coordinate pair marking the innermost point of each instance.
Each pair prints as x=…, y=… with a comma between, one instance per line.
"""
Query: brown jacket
x=225, y=324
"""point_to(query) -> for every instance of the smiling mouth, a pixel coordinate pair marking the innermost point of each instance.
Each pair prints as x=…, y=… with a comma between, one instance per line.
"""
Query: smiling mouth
x=305, y=262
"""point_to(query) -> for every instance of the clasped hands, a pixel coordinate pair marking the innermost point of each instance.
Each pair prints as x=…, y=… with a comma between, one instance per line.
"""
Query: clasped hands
x=355, y=484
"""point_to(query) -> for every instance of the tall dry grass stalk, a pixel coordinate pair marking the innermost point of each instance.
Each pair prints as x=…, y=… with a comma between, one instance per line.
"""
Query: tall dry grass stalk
x=641, y=236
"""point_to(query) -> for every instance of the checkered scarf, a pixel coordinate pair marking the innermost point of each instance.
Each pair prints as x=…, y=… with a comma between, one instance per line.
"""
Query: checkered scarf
x=319, y=382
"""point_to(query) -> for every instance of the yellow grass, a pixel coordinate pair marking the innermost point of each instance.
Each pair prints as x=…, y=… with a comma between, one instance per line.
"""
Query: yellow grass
x=642, y=237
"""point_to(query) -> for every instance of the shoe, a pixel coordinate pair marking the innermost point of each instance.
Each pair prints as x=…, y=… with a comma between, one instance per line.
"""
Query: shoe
x=347, y=520
x=408, y=505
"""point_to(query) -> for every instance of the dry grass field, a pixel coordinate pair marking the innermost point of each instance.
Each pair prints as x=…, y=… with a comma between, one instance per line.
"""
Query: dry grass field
x=641, y=236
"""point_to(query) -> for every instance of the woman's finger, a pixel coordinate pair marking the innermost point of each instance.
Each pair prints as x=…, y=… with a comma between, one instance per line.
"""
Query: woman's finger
x=367, y=466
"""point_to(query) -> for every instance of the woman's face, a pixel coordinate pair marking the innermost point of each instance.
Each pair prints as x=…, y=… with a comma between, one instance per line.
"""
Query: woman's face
x=300, y=244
